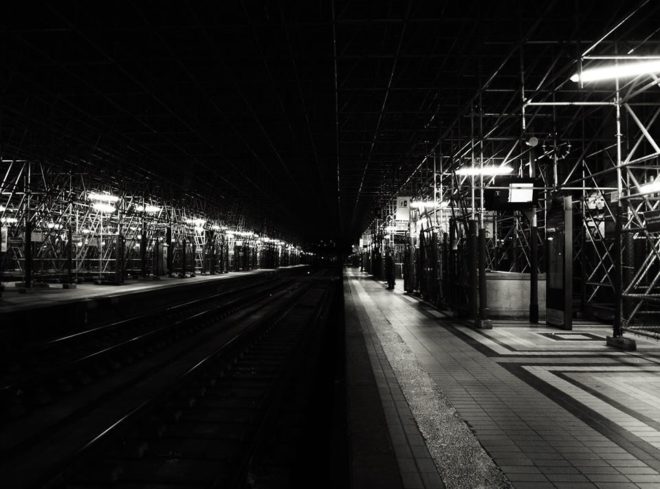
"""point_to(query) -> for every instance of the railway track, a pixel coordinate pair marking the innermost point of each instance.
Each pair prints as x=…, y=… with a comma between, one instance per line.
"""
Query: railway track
x=219, y=383
x=48, y=371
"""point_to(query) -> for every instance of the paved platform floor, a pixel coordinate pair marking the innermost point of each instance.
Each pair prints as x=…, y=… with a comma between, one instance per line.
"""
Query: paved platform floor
x=13, y=299
x=550, y=408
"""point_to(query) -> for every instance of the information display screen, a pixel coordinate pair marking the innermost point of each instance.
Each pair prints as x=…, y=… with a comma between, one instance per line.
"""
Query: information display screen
x=512, y=194
x=521, y=192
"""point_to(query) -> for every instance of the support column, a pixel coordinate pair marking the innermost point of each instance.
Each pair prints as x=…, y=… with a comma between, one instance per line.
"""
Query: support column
x=27, y=251
x=483, y=321
x=183, y=258
x=170, y=251
x=617, y=272
x=119, y=261
x=69, y=284
x=628, y=273
x=453, y=249
x=446, y=278
x=143, y=247
x=617, y=340
x=568, y=262
x=473, y=279
x=534, y=271
x=210, y=242
x=156, y=258
x=4, y=249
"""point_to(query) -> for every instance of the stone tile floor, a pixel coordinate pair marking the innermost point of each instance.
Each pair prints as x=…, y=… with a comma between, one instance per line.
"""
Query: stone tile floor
x=554, y=409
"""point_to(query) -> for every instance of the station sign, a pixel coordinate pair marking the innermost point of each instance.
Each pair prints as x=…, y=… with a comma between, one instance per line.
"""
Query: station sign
x=401, y=225
x=402, y=209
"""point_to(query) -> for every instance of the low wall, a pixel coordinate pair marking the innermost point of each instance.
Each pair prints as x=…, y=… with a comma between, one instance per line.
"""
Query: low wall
x=508, y=294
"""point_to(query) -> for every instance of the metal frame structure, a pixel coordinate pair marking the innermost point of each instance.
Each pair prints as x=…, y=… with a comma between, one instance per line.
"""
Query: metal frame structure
x=57, y=233
x=594, y=143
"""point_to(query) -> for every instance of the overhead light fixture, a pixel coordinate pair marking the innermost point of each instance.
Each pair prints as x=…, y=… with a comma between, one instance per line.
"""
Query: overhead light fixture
x=650, y=188
x=103, y=207
x=9, y=220
x=99, y=197
x=2, y=208
x=149, y=209
x=487, y=171
x=196, y=222
x=420, y=204
x=625, y=70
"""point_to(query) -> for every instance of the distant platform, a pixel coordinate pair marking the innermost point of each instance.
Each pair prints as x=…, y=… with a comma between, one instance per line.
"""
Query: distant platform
x=59, y=309
x=528, y=404
x=14, y=298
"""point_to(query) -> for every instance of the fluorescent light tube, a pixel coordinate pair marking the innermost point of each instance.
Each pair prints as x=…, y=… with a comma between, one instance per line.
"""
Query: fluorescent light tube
x=103, y=207
x=489, y=170
x=650, y=188
x=98, y=197
x=625, y=70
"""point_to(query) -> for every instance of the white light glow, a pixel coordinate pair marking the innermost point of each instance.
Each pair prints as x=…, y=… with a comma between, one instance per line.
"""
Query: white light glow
x=650, y=188
x=428, y=204
x=196, y=222
x=52, y=225
x=103, y=207
x=9, y=220
x=625, y=70
x=489, y=170
x=99, y=197
x=149, y=209
x=2, y=208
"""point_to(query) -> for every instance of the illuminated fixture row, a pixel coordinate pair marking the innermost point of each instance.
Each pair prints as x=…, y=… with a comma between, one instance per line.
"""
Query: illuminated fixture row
x=106, y=203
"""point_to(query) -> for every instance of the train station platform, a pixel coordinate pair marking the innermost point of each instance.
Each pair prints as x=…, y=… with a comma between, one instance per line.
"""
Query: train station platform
x=518, y=405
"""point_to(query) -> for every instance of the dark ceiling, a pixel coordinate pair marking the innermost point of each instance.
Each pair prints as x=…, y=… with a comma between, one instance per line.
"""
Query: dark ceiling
x=303, y=115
